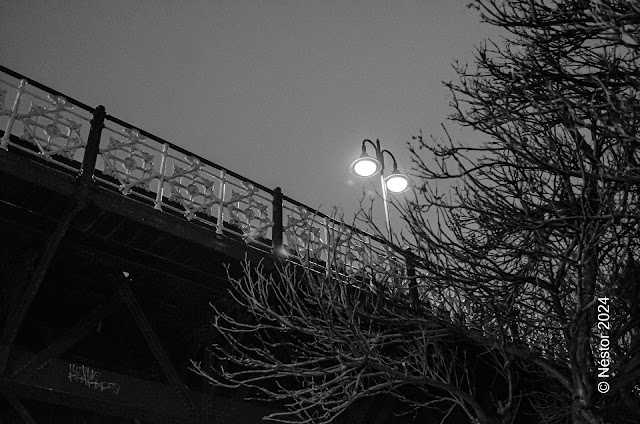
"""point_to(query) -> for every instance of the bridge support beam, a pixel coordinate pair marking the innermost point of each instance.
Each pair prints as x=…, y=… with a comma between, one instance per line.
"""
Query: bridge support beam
x=19, y=311
x=83, y=328
x=157, y=349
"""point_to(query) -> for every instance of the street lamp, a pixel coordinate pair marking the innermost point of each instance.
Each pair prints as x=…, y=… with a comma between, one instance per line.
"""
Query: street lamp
x=397, y=183
x=367, y=166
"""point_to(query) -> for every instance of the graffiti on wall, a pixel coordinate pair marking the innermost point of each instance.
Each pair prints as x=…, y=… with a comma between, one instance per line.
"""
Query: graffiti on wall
x=91, y=378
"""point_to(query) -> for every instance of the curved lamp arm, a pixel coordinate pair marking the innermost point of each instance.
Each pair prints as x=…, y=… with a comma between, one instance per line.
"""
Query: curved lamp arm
x=379, y=153
x=395, y=164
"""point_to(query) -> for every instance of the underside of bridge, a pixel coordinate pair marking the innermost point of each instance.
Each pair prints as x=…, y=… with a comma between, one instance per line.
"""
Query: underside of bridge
x=104, y=304
x=105, y=301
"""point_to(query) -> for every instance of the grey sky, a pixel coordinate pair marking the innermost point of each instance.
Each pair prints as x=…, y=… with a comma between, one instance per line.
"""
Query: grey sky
x=282, y=92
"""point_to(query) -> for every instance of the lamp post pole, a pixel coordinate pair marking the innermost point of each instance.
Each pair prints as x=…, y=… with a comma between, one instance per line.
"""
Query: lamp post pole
x=380, y=157
x=386, y=205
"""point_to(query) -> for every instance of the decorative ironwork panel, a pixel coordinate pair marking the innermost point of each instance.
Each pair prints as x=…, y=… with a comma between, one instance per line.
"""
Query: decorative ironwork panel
x=191, y=187
x=47, y=122
x=248, y=210
x=334, y=244
x=183, y=183
x=303, y=234
x=128, y=159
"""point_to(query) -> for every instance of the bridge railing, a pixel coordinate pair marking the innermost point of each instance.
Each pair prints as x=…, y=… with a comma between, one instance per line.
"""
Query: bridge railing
x=153, y=170
x=55, y=128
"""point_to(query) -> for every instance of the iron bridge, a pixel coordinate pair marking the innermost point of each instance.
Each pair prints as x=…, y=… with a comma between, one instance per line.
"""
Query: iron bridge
x=113, y=242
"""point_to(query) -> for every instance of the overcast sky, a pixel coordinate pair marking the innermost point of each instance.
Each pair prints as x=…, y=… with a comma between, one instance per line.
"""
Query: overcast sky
x=282, y=92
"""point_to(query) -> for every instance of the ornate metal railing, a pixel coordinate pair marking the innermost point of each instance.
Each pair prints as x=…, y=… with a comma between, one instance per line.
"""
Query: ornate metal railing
x=55, y=127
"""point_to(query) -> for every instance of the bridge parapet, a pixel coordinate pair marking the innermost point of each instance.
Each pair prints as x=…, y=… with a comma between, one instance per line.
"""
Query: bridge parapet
x=53, y=127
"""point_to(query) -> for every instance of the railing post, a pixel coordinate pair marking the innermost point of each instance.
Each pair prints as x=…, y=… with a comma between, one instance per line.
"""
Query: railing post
x=221, y=194
x=411, y=274
x=277, y=233
x=92, y=149
x=327, y=255
x=163, y=167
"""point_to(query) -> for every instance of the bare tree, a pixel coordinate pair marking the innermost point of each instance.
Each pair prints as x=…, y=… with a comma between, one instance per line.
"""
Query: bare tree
x=322, y=340
x=526, y=248
x=539, y=233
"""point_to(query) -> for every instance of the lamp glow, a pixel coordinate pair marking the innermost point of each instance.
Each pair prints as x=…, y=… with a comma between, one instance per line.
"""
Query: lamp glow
x=365, y=166
x=397, y=183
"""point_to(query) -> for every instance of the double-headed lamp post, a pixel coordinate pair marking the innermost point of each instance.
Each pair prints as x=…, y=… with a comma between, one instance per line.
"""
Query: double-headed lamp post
x=367, y=166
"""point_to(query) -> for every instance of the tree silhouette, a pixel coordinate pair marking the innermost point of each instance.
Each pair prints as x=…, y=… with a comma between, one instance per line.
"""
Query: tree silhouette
x=525, y=246
x=541, y=230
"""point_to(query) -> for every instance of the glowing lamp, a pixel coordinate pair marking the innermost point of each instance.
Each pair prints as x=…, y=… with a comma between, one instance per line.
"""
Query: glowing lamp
x=365, y=166
x=397, y=182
